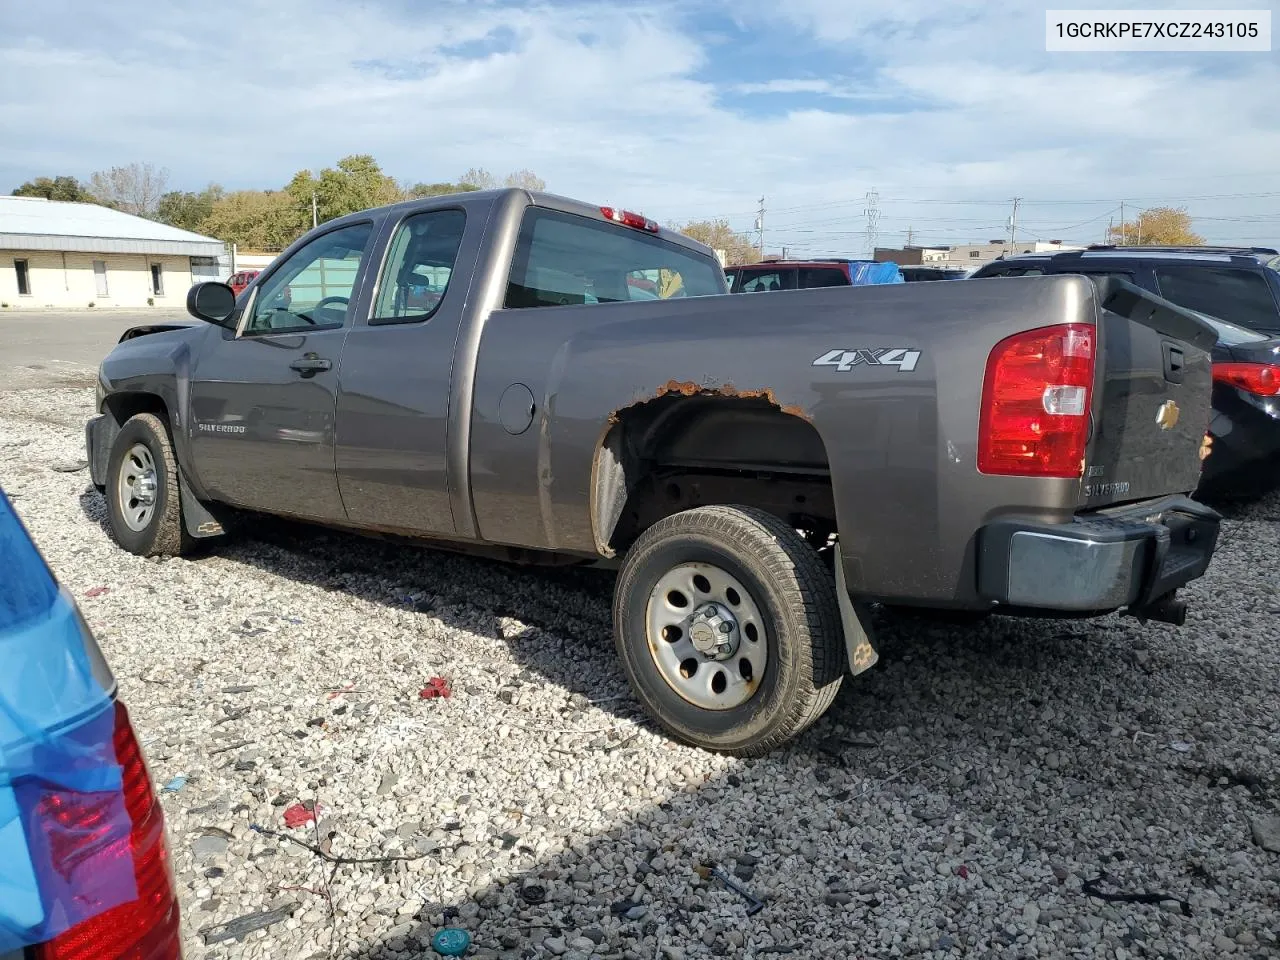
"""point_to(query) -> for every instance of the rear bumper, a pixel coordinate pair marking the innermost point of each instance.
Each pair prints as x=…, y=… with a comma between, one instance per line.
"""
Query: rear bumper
x=1104, y=561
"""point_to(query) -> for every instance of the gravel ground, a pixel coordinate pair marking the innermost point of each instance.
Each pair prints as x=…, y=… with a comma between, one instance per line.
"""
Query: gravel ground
x=952, y=803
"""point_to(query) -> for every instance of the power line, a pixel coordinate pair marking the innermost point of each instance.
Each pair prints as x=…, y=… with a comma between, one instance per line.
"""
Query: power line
x=760, y=226
x=872, y=211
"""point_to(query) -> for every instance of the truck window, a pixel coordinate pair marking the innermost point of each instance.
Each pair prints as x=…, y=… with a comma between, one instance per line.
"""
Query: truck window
x=764, y=281
x=419, y=264
x=1237, y=296
x=312, y=289
x=563, y=259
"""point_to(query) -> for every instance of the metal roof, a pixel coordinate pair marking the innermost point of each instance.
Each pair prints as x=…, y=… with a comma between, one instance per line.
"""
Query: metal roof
x=33, y=223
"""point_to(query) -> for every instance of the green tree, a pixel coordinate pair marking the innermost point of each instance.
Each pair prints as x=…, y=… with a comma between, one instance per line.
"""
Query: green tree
x=441, y=189
x=718, y=235
x=187, y=210
x=265, y=220
x=353, y=183
x=1159, y=226
x=55, y=188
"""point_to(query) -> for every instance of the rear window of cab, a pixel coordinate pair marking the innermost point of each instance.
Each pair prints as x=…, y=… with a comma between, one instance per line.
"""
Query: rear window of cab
x=563, y=259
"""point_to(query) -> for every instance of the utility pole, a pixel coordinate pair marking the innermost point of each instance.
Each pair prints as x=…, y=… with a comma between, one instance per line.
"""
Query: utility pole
x=908, y=238
x=1013, y=226
x=1122, y=223
x=1111, y=222
x=872, y=211
x=314, y=222
x=760, y=228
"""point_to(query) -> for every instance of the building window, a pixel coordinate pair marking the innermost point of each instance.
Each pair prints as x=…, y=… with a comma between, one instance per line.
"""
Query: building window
x=157, y=279
x=100, y=276
x=21, y=268
x=975, y=254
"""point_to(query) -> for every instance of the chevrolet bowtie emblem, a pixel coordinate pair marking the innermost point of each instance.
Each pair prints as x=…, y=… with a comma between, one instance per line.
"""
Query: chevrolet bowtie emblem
x=1167, y=415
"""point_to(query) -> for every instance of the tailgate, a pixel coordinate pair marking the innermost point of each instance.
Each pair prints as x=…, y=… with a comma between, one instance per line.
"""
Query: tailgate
x=1152, y=397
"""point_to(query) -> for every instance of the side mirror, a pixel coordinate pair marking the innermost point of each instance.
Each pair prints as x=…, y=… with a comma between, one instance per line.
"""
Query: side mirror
x=212, y=302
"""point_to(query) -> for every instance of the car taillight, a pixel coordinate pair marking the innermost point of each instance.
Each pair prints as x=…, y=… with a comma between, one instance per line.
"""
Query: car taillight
x=1035, y=403
x=146, y=927
x=629, y=219
x=1260, y=379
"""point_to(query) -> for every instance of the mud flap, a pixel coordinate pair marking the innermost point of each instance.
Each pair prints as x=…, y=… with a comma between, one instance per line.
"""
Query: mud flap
x=200, y=523
x=855, y=618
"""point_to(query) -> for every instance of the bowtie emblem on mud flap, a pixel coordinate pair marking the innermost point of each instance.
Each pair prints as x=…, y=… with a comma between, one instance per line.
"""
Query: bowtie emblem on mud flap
x=844, y=360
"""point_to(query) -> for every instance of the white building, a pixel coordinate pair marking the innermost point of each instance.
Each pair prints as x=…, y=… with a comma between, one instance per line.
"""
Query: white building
x=79, y=255
x=974, y=255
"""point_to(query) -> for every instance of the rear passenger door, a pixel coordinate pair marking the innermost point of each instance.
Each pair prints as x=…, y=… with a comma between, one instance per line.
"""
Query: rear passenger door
x=393, y=408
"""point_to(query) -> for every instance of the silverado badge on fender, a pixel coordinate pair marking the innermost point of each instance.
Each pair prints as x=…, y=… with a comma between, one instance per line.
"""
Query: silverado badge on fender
x=1167, y=415
x=903, y=358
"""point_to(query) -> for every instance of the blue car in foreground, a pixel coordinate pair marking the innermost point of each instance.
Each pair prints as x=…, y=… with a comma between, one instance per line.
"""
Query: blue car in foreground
x=84, y=862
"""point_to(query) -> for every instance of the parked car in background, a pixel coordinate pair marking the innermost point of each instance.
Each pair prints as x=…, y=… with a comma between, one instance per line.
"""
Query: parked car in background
x=239, y=281
x=771, y=275
x=1246, y=411
x=1237, y=291
x=84, y=863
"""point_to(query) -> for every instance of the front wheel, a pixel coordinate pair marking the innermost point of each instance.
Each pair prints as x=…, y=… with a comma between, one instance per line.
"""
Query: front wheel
x=728, y=628
x=142, y=490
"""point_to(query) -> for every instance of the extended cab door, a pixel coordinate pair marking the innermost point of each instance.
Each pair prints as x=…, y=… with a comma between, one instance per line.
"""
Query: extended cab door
x=263, y=395
x=397, y=366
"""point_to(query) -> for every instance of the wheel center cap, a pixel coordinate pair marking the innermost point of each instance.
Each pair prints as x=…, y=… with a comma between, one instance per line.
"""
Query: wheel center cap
x=713, y=631
x=145, y=488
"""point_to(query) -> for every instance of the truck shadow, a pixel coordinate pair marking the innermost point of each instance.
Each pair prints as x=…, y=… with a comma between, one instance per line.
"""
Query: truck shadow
x=971, y=770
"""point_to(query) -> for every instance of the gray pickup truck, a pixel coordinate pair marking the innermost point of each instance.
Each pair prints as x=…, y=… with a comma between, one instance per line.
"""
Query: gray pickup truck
x=525, y=376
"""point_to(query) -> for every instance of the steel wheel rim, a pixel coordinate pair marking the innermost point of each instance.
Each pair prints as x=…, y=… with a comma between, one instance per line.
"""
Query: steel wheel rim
x=717, y=680
x=137, y=487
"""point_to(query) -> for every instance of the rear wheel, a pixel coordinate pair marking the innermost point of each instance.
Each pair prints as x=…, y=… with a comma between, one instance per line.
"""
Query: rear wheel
x=728, y=628
x=142, y=490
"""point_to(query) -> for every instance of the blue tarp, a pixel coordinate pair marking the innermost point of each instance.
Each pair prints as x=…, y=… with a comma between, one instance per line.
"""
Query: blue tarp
x=64, y=830
x=867, y=271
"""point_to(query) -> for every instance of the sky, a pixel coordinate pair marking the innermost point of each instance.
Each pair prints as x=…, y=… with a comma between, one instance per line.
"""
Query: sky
x=681, y=110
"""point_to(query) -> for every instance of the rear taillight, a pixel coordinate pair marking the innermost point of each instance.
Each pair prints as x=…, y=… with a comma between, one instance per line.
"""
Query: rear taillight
x=629, y=219
x=1035, y=403
x=146, y=927
x=1260, y=379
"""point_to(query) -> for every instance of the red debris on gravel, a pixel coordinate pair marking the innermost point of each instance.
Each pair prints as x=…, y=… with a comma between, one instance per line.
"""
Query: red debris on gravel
x=298, y=814
x=97, y=591
x=436, y=687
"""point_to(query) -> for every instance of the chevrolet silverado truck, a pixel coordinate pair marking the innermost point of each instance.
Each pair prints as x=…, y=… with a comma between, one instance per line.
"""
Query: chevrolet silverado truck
x=522, y=375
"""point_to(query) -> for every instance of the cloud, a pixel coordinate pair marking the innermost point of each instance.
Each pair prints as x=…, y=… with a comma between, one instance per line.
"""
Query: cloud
x=682, y=110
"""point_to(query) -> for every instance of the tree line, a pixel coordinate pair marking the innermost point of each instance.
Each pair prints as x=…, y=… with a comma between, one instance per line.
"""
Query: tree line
x=269, y=220
x=265, y=220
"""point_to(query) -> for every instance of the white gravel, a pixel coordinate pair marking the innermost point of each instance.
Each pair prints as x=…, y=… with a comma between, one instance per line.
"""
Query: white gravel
x=951, y=803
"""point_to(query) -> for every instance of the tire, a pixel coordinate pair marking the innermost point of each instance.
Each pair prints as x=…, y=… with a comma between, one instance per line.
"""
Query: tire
x=782, y=584
x=142, y=448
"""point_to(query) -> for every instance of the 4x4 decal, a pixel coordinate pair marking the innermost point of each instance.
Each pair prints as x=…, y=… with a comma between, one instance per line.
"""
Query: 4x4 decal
x=904, y=358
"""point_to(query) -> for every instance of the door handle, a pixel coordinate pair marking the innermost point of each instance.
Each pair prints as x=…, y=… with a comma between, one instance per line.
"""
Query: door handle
x=310, y=365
